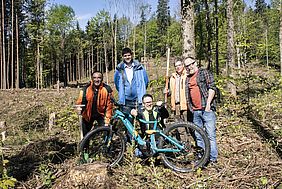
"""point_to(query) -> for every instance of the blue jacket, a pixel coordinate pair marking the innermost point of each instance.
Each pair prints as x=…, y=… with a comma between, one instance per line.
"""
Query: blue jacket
x=138, y=86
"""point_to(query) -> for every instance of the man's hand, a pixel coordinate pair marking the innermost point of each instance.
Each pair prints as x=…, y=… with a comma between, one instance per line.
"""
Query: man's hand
x=134, y=112
x=208, y=108
x=78, y=110
x=159, y=103
x=166, y=91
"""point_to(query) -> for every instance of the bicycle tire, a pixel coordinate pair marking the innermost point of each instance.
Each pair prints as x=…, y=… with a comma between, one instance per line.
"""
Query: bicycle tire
x=192, y=157
x=96, y=146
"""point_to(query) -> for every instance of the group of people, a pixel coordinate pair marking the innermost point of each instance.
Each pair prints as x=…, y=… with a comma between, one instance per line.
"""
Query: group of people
x=192, y=90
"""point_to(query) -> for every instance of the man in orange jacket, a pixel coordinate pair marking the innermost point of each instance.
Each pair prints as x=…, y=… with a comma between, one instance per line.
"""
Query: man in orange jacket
x=96, y=97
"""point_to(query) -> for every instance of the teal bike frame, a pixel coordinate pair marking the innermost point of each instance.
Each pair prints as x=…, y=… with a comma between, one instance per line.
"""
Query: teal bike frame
x=129, y=126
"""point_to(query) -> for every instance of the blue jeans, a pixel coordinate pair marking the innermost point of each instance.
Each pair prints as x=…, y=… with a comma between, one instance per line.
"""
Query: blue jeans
x=206, y=120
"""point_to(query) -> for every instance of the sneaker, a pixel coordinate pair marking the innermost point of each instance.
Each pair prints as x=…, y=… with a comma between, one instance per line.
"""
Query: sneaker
x=211, y=163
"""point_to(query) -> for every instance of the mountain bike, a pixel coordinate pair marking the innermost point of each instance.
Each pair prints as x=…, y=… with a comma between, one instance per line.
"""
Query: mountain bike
x=175, y=145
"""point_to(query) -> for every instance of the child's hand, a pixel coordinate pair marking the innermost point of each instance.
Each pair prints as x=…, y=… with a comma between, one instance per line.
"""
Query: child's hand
x=159, y=103
x=134, y=112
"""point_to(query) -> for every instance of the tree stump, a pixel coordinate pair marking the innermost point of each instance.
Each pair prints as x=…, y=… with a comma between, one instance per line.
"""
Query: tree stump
x=86, y=176
x=3, y=130
x=232, y=88
x=52, y=117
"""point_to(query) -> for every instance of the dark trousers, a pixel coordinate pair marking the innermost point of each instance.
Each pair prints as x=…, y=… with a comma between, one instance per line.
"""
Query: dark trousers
x=129, y=105
x=87, y=126
x=184, y=115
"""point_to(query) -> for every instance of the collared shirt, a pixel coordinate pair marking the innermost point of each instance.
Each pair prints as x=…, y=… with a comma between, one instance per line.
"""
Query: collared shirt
x=195, y=92
x=177, y=88
x=129, y=72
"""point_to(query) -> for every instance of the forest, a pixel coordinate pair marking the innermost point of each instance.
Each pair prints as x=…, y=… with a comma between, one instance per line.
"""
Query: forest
x=42, y=43
x=43, y=48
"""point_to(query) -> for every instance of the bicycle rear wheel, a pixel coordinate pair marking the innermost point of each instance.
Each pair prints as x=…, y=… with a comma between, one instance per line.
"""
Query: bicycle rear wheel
x=102, y=144
x=191, y=157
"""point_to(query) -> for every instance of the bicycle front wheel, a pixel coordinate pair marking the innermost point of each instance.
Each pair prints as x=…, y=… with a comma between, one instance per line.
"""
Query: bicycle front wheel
x=104, y=145
x=191, y=157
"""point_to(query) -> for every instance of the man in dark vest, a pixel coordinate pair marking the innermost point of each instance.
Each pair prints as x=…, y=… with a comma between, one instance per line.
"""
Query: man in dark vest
x=96, y=97
x=149, y=112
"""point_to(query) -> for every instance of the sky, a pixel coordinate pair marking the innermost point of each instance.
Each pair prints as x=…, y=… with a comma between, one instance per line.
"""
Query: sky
x=86, y=9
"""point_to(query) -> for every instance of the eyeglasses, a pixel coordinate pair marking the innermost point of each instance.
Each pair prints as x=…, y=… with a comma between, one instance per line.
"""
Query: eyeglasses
x=178, y=65
x=96, y=77
x=149, y=102
x=126, y=55
x=190, y=64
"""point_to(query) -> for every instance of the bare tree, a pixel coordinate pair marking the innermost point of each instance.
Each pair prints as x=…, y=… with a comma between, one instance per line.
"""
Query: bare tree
x=12, y=49
x=187, y=12
x=17, y=54
x=216, y=38
x=4, y=69
x=280, y=37
x=230, y=38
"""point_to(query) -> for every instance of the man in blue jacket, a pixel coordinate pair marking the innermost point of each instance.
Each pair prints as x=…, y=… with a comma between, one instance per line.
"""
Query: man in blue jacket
x=131, y=81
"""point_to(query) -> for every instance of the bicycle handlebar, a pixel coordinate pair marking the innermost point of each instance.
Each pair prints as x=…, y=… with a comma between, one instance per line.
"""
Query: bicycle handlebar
x=116, y=103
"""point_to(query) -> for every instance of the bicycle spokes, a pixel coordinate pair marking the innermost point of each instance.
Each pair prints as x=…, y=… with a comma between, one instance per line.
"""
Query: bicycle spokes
x=189, y=156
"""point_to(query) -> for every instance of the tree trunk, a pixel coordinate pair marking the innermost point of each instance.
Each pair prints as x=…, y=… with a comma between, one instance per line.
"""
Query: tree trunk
x=115, y=43
x=82, y=65
x=145, y=41
x=187, y=11
x=216, y=38
x=92, y=59
x=266, y=47
x=78, y=66
x=12, y=49
x=17, y=54
x=230, y=39
x=37, y=65
x=1, y=57
x=209, y=30
x=3, y=47
x=134, y=41
x=8, y=60
x=89, y=63
x=106, y=62
x=280, y=37
x=97, y=58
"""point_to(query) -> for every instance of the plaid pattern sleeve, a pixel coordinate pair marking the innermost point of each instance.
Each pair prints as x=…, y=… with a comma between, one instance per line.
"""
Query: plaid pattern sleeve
x=205, y=82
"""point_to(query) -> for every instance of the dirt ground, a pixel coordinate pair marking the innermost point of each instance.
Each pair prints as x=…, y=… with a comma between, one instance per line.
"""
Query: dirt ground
x=39, y=154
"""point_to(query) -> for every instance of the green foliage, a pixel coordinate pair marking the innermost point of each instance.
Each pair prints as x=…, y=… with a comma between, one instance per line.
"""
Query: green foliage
x=174, y=38
x=46, y=175
x=60, y=19
x=5, y=180
x=67, y=118
x=263, y=181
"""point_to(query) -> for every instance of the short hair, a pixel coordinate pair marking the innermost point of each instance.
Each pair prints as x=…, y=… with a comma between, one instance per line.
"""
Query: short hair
x=126, y=50
x=96, y=71
x=189, y=60
x=147, y=95
x=178, y=59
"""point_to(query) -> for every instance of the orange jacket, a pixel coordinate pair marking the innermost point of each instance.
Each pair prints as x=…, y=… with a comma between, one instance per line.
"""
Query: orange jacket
x=183, y=102
x=104, y=104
